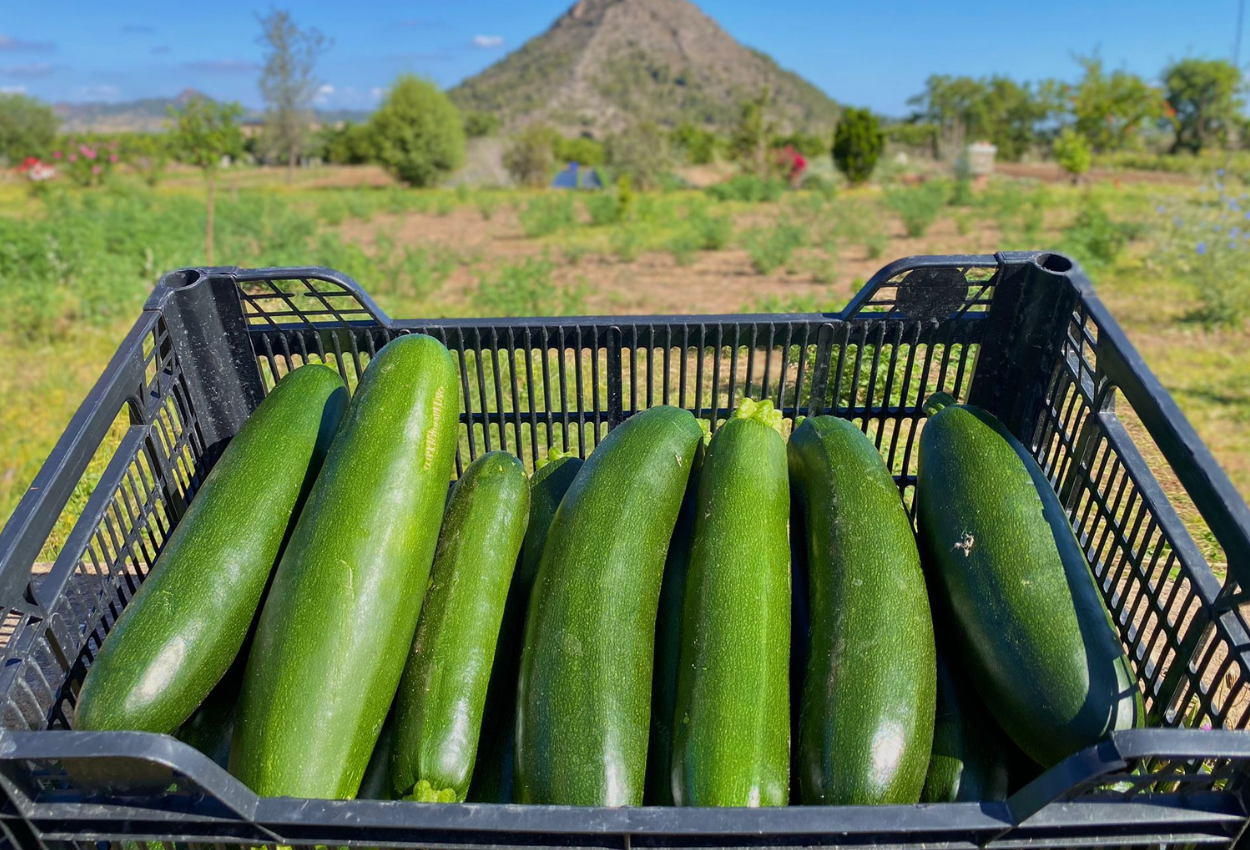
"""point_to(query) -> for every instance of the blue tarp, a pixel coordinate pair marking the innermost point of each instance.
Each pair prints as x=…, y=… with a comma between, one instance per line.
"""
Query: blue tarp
x=576, y=177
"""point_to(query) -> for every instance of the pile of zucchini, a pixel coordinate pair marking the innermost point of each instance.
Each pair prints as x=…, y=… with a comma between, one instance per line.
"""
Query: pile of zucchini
x=654, y=625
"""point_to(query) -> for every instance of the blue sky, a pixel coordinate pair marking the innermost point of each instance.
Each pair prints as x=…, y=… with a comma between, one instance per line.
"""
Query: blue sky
x=873, y=54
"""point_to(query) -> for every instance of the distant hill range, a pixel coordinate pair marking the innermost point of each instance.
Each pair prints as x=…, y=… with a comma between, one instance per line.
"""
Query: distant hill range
x=606, y=63
x=151, y=114
x=600, y=66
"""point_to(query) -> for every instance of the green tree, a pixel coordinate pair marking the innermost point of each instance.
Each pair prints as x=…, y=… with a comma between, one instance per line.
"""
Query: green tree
x=641, y=153
x=996, y=109
x=288, y=83
x=581, y=150
x=1111, y=108
x=418, y=132
x=529, y=157
x=956, y=105
x=203, y=134
x=1203, y=94
x=147, y=154
x=857, y=144
x=696, y=144
x=753, y=134
x=347, y=144
x=1072, y=153
x=27, y=127
x=480, y=124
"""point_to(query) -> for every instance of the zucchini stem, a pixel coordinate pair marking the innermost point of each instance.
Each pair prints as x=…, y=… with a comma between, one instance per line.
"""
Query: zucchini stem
x=552, y=457
x=937, y=402
x=761, y=411
x=424, y=792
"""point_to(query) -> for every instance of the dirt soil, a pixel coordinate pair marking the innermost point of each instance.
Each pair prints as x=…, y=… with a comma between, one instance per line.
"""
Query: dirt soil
x=1050, y=172
x=716, y=282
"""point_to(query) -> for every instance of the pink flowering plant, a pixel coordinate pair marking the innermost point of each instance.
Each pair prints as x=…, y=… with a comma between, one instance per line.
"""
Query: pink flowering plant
x=88, y=162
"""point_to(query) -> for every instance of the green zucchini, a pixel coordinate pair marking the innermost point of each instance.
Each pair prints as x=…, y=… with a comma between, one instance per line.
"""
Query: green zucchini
x=1033, y=632
x=376, y=783
x=731, y=742
x=800, y=634
x=438, y=710
x=969, y=763
x=658, y=789
x=584, y=701
x=866, y=719
x=210, y=727
x=185, y=625
x=492, y=775
x=339, y=619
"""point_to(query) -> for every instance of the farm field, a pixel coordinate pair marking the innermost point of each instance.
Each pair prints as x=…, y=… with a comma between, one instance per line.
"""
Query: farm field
x=76, y=266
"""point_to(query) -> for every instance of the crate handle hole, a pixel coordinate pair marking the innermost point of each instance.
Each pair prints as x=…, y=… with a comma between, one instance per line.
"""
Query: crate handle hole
x=1057, y=263
x=182, y=279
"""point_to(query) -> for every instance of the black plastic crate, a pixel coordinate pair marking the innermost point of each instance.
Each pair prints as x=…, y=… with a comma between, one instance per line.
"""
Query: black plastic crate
x=1020, y=334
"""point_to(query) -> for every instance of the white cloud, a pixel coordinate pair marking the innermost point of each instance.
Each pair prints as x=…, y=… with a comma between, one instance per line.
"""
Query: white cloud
x=326, y=89
x=29, y=70
x=324, y=93
x=223, y=66
x=377, y=93
x=99, y=92
x=488, y=42
x=17, y=45
x=12, y=89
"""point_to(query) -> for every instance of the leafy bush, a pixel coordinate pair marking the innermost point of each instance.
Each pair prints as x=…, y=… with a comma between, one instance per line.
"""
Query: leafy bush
x=528, y=156
x=604, y=208
x=808, y=144
x=771, y=248
x=1207, y=244
x=581, y=150
x=714, y=232
x=526, y=289
x=574, y=252
x=641, y=153
x=918, y=206
x=148, y=154
x=628, y=242
x=418, y=132
x=480, y=124
x=875, y=243
x=27, y=127
x=351, y=144
x=548, y=215
x=1073, y=153
x=486, y=205
x=824, y=266
x=748, y=188
x=90, y=163
x=1093, y=238
x=696, y=144
x=751, y=135
x=820, y=186
x=331, y=209
x=87, y=258
x=816, y=302
x=684, y=245
x=857, y=145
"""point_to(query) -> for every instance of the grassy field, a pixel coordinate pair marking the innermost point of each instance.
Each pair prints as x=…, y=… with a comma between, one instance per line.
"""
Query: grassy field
x=76, y=266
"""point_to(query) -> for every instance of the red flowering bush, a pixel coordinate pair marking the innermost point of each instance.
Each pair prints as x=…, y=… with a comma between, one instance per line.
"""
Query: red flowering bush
x=36, y=170
x=791, y=164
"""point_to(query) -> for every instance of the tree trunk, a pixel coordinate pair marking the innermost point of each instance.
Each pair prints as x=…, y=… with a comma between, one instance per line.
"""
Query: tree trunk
x=290, y=165
x=208, y=230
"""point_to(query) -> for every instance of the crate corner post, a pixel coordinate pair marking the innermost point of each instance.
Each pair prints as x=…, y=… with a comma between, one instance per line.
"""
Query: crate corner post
x=209, y=332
